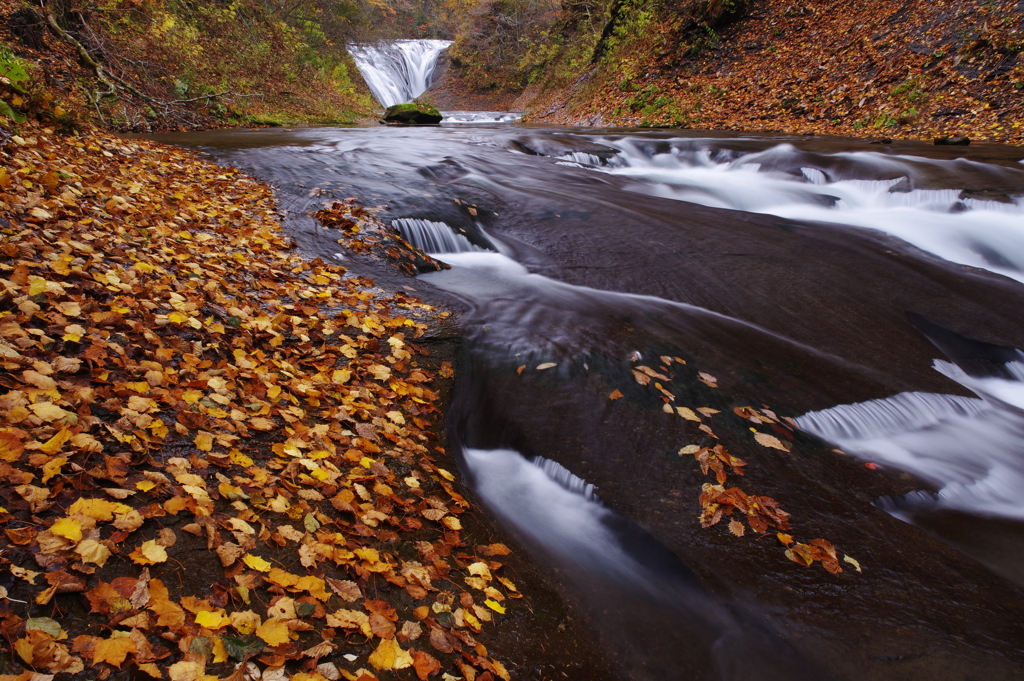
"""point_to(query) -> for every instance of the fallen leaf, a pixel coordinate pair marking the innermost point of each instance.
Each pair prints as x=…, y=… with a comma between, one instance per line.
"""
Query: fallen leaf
x=149, y=553
x=766, y=440
x=390, y=655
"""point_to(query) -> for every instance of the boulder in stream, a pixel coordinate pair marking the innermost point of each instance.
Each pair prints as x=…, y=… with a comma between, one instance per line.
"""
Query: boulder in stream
x=412, y=113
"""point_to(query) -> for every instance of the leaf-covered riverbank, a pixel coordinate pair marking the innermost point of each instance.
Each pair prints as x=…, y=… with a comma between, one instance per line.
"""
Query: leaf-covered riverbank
x=219, y=457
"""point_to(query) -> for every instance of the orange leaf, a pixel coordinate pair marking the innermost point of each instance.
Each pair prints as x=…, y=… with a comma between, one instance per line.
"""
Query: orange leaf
x=113, y=650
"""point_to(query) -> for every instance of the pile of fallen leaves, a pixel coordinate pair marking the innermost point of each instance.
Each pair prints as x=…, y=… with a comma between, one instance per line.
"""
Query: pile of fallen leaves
x=718, y=502
x=217, y=455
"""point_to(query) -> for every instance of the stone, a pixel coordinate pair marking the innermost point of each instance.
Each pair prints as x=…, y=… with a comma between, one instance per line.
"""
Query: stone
x=412, y=114
x=956, y=140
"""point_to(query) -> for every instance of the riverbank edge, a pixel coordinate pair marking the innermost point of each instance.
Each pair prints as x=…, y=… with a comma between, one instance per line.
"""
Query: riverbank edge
x=54, y=214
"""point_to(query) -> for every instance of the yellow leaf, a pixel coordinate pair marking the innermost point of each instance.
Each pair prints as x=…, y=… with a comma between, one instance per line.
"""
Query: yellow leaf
x=766, y=440
x=69, y=528
x=48, y=411
x=389, y=655
x=99, y=509
x=36, y=286
x=546, y=365
x=186, y=670
x=204, y=441
x=495, y=606
x=245, y=622
x=256, y=563
x=52, y=467
x=853, y=562
x=396, y=416
x=55, y=443
x=282, y=578
x=687, y=414
x=220, y=653
x=92, y=551
x=149, y=553
x=145, y=485
x=239, y=459
x=273, y=631
x=212, y=620
x=191, y=396
x=152, y=670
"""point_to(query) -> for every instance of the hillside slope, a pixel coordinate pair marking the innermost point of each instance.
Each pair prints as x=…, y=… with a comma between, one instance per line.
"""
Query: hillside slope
x=880, y=68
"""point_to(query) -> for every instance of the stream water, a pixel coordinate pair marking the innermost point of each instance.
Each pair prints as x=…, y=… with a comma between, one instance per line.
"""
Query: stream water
x=872, y=293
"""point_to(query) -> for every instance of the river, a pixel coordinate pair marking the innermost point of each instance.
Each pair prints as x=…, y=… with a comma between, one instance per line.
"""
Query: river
x=624, y=295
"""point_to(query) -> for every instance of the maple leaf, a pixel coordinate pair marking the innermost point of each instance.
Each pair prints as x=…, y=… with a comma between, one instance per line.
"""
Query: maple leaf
x=113, y=650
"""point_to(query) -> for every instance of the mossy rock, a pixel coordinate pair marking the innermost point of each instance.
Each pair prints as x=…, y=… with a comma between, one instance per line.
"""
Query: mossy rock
x=412, y=113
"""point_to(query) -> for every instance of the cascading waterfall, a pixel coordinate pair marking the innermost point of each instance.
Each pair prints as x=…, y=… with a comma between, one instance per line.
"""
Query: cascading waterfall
x=398, y=71
x=432, y=237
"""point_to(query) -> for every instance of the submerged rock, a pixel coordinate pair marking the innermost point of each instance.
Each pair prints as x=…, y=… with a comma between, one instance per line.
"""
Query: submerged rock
x=957, y=140
x=412, y=113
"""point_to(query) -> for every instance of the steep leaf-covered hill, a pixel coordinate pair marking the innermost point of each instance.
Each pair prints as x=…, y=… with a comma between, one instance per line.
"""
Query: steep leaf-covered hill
x=878, y=68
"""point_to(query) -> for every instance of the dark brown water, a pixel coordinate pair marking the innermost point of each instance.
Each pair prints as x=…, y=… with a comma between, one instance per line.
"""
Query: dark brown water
x=786, y=269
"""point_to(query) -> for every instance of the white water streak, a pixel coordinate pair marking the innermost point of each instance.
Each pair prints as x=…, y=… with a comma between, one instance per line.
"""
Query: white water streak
x=972, y=448
x=979, y=233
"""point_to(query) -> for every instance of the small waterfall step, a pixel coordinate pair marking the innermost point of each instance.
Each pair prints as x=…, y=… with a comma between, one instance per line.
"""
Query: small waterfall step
x=398, y=71
x=432, y=237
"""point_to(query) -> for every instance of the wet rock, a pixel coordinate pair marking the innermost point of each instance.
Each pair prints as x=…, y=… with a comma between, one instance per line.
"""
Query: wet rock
x=881, y=140
x=412, y=113
x=956, y=140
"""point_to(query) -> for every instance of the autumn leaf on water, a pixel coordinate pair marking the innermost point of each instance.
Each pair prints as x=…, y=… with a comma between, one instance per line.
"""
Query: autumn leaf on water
x=771, y=441
x=546, y=365
x=640, y=377
x=615, y=394
x=707, y=379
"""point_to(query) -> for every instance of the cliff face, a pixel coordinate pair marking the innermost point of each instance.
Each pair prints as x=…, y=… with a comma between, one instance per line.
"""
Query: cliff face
x=879, y=68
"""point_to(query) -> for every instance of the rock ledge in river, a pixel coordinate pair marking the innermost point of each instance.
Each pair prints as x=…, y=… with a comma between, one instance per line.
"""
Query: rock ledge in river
x=412, y=113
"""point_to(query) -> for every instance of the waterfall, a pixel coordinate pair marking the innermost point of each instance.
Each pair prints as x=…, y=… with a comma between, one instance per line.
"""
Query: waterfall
x=433, y=237
x=398, y=71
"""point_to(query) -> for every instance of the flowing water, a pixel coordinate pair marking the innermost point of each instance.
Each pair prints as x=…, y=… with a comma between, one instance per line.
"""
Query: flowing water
x=397, y=71
x=871, y=293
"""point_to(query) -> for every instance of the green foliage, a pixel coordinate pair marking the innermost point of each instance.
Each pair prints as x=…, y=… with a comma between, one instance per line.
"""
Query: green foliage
x=13, y=69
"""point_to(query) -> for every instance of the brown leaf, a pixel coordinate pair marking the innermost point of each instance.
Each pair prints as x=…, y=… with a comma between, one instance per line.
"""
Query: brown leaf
x=424, y=664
